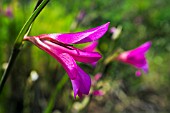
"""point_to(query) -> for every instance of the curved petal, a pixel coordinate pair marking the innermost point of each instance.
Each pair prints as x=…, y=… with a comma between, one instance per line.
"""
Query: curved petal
x=80, y=80
x=145, y=67
x=77, y=54
x=81, y=85
x=136, y=57
x=142, y=49
x=55, y=49
x=65, y=59
x=137, y=60
x=91, y=47
x=69, y=65
x=79, y=37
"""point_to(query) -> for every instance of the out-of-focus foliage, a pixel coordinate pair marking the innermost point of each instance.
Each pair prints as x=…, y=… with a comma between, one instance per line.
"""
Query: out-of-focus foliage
x=141, y=20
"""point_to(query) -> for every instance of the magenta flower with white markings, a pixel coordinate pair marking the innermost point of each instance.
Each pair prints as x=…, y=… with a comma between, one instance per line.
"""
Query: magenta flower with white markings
x=60, y=47
x=136, y=57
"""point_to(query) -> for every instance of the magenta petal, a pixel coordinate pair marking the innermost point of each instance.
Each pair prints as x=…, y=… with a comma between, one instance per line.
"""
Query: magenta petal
x=136, y=60
x=145, y=68
x=77, y=54
x=86, y=56
x=142, y=49
x=69, y=65
x=93, y=64
x=91, y=47
x=136, y=57
x=82, y=37
x=55, y=49
x=81, y=85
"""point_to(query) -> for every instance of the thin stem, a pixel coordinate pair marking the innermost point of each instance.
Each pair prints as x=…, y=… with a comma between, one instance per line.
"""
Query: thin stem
x=18, y=42
x=38, y=3
x=52, y=101
x=6, y=72
x=25, y=28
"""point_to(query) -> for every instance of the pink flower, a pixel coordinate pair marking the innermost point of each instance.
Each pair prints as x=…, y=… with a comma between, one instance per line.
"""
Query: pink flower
x=59, y=46
x=96, y=78
x=136, y=57
x=98, y=93
x=81, y=15
x=8, y=12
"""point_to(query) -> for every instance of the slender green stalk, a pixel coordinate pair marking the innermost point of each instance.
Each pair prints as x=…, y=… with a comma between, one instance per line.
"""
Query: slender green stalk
x=25, y=28
x=6, y=73
x=18, y=42
x=52, y=101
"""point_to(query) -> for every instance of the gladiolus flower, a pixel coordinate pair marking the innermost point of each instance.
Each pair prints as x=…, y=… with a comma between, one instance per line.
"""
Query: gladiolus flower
x=136, y=57
x=60, y=47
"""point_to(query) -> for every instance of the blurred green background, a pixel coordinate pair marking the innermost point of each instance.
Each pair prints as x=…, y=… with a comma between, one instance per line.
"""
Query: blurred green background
x=39, y=84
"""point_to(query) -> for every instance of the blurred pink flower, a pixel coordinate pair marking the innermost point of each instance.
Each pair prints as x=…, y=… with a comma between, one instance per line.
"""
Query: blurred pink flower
x=8, y=12
x=112, y=30
x=98, y=93
x=59, y=46
x=96, y=78
x=81, y=15
x=136, y=57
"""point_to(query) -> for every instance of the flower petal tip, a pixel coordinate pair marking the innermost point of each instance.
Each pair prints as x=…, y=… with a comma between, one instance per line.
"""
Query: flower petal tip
x=146, y=45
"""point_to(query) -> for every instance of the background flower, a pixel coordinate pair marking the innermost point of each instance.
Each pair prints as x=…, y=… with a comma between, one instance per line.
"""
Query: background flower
x=136, y=57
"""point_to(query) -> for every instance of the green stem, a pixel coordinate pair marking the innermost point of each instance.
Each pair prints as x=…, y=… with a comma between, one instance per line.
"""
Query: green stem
x=52, y=101
x=18, y=43
x=6, y=73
